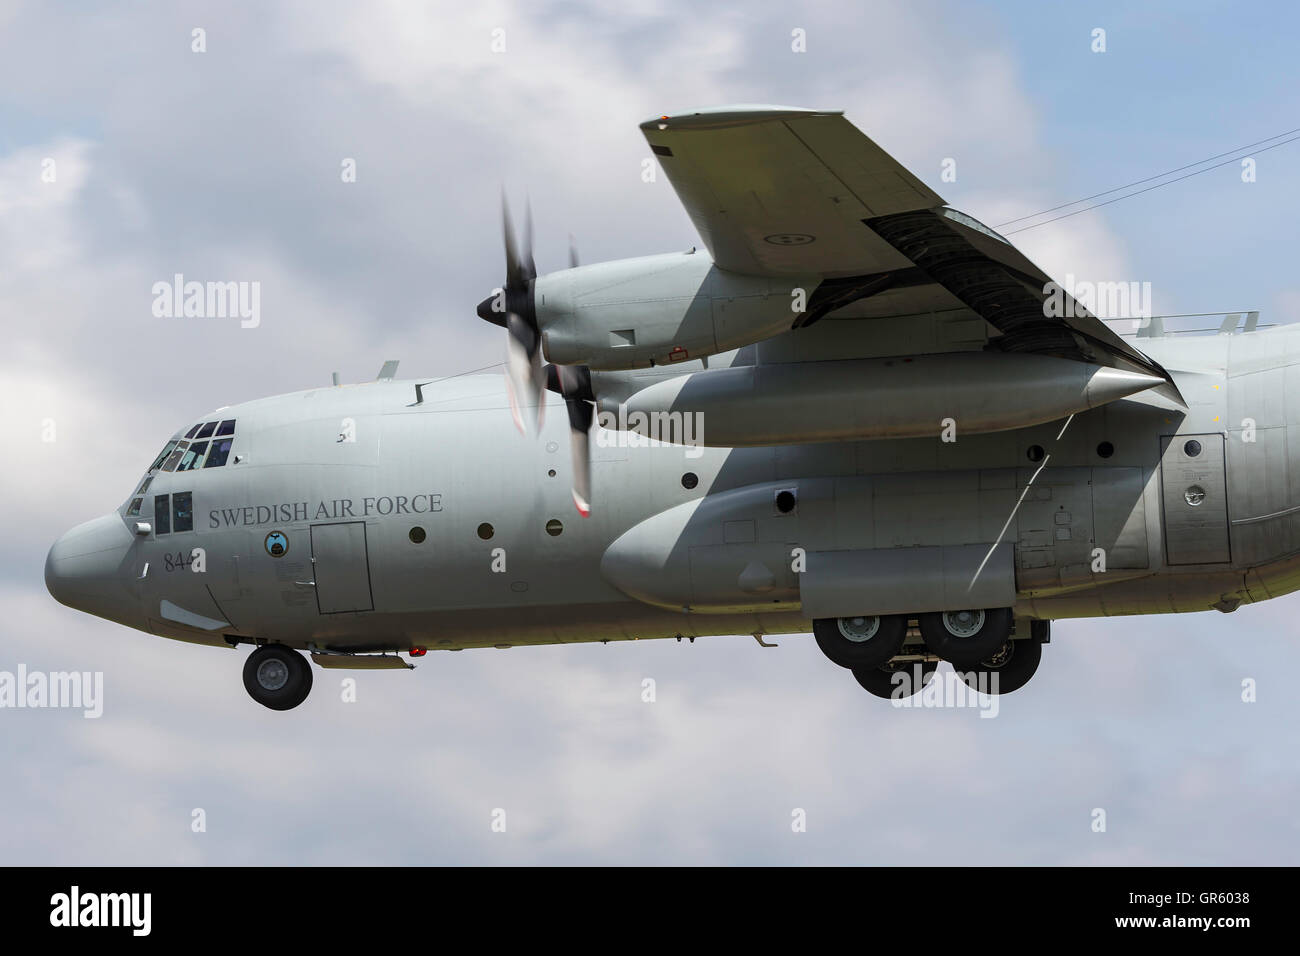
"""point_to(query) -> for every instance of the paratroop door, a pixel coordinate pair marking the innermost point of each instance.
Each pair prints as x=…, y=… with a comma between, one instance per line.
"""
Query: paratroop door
x=1194, y=498
x=341, y=567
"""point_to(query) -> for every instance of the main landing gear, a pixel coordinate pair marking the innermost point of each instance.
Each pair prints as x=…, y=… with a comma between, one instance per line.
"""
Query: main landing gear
x=277, y=677
x=893, y=661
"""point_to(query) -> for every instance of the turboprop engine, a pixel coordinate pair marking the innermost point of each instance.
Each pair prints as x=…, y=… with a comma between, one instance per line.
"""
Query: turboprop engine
x=622, y=315
x=632, y=313
x=657, y=310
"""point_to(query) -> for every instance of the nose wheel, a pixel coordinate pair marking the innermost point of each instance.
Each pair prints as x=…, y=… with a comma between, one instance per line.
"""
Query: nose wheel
x=277, y=677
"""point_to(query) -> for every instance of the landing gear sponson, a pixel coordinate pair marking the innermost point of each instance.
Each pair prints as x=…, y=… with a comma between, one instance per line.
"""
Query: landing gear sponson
x=982, y=645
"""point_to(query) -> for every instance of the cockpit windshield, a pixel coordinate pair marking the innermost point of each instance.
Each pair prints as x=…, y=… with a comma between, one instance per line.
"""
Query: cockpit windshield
x=194, y=457
x=205, y=445
x=174, y=458
x=204, y=451
x=162, y=457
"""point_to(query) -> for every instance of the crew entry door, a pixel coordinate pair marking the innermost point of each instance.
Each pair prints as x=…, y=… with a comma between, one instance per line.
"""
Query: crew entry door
x=341, y=567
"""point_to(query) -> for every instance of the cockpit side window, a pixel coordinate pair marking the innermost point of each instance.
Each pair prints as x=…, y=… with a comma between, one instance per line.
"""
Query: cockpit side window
x=206, y=430
x=144, y=485
x=162, y=516
x=174, y=458
x=163, y=456
x=183, y=511
x=194, y=457
x=220, y=452
x=135, y=506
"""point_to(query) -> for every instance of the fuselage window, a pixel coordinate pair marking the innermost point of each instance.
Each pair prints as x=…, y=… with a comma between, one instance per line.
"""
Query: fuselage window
x=163, y=457
x=162, y=516
x=190, y=433
x=220, y=452
x=135, y=506
x=226, y=428
x=206, y=430
x=194, y=457
x=183, y=511
x=144, y=485
x=175, y=456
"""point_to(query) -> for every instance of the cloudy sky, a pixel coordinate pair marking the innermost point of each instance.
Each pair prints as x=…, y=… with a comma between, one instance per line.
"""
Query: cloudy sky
x=227, y=163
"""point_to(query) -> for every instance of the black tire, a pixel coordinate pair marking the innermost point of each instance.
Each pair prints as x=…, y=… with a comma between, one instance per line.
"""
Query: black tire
x=1007, y=670
x=833, y=638
x=281, y=687
x=966, y=648
x=881, y=682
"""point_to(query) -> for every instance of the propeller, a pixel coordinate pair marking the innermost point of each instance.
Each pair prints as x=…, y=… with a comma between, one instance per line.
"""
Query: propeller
x=514, y=306
x=515, y=309
x=574, y=383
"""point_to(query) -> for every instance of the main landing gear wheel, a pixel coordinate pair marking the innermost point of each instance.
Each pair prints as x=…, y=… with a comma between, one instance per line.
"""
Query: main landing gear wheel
x=1008, y=669
x=966, y=637
x=865, y=641
x=880, y=680
x=277, y=677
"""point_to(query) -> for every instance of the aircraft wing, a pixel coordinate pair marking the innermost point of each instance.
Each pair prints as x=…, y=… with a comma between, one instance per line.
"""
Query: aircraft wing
x=779, y=191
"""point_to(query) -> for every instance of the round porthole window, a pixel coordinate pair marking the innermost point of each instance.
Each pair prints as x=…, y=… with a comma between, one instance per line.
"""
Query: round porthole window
x=1105, y=450
x=416, y=534
x=1192, y=448
x=690, y=480
x=554, y=527
x=1194, y=495
x=1035, y=453
x=485, y=531
x=785, y=502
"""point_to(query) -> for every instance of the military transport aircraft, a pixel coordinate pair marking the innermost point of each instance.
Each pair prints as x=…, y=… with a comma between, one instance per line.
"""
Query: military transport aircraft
x=860, y=410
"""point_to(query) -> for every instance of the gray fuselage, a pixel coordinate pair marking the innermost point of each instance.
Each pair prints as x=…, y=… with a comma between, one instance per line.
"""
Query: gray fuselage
x=341, y=476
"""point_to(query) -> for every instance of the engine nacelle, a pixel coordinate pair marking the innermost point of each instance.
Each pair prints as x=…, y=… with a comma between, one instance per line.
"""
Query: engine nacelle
x=657, y=310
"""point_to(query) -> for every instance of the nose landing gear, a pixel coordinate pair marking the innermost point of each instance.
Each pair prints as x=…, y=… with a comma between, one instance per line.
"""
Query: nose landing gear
x=277, y=677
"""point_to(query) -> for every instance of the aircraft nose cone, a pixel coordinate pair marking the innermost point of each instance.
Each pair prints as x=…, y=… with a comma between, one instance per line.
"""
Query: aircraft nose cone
x=85, y=569
x=486, y=313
